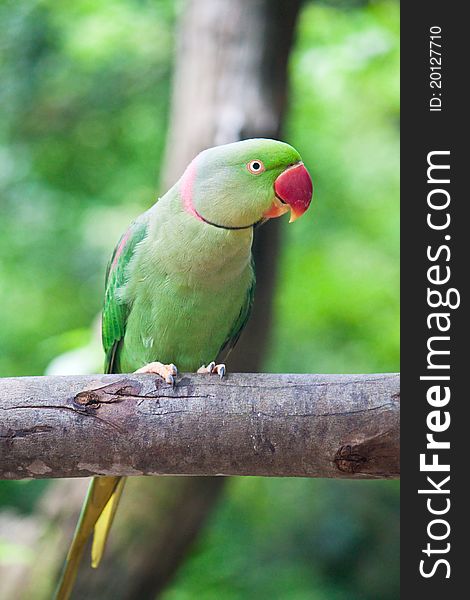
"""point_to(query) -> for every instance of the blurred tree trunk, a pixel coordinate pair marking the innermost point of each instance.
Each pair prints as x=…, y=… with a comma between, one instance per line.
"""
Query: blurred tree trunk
x=230, y=83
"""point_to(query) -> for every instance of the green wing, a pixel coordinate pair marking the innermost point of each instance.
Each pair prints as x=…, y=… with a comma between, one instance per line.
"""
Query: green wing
x=242, y=318
x=115, y=311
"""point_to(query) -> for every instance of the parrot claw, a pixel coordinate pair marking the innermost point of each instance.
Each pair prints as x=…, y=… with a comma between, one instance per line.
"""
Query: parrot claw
x=166, y=372
x=213, y=369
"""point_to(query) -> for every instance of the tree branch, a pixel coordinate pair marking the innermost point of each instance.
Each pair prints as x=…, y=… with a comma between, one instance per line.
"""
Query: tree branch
x=248, y=424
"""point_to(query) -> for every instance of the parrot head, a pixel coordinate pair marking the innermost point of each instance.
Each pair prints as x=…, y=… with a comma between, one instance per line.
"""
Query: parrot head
x=238, y=185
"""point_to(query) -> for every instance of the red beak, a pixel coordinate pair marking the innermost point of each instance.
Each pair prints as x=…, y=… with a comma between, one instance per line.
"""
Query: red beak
x=294, y=187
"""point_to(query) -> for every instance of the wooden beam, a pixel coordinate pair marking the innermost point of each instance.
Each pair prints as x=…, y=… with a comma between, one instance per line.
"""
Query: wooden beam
x=343, y=426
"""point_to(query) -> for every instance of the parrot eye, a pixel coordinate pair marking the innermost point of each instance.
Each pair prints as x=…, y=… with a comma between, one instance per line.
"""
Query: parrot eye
x=255, y=167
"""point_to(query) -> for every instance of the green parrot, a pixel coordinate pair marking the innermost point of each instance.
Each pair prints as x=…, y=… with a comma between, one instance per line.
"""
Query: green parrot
x=180, y=285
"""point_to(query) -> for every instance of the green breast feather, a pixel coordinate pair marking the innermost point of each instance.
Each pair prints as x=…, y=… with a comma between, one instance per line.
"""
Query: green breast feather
x=116, y=311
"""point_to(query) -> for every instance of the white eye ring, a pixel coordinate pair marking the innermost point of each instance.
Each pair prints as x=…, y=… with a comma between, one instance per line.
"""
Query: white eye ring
x=255, y=166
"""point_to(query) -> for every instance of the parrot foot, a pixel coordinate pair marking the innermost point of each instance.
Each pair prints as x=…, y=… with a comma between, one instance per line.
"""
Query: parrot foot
x=166, y=372
x=212, y=369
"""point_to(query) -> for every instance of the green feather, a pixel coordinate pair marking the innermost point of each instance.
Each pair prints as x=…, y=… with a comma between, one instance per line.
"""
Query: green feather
x=242, y=320
x=115, y=311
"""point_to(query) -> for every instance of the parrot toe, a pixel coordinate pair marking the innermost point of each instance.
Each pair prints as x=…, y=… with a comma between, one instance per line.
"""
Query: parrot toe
x=166, y=372
x=213, y=369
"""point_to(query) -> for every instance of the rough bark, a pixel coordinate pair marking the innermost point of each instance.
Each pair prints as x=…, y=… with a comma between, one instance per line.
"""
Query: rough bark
x=252, y=424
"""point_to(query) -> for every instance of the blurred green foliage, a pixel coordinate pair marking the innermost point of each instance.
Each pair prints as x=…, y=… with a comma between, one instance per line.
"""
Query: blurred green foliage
x=337, y=302
x=85, y=95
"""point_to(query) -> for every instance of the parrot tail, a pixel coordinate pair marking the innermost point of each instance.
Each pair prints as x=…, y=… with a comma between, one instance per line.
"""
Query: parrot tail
x=96, y=517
